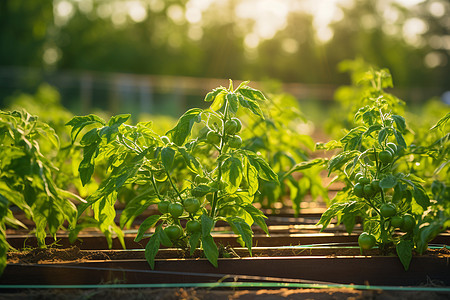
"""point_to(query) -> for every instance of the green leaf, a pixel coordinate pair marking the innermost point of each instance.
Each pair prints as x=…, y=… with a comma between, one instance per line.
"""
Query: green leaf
x=241, y=228
x=202, y=189
x=232, y=170
x=340, y=160
x=212, y=95
x=79, y=122
x=233, y=103
x=152, y=247
x=251, y=93
x=264, y=170
x=251, y=105
x=191, y=162
x=194, y=241
x=404, y=251
x=388, y=182
x=182, y=130
x=146, y=225
x=219, y=101
x=441, y=122
x=207, y=224
x=135, y=207
x=399, y=138
x=400, y=123
x=382, y=135
x=86, y=167
x=167, y=157
x=257, y=216
x=421, y=196
x=210, y=249
x=304, y=165
x=353, y=138
x=113, y=126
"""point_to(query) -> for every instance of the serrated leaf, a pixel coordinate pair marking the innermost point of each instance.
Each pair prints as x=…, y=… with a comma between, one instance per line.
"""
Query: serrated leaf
x=251, y=105
x=382, y=135
x=232, y=170
x=251, y=93
x=441, y=122
x=219, y=101
x=264, y=170
x=388, y=182
x=242, y=229
x=79, y=122
x=340, y=160
x=257, y=216
x=210, y=249
x=146, y=225
x=399, y=122
x=212, y=95
x=182, y=130
x=191, y=162
x=404, y=251
x=152, y=247
x=233, y=103
x=113, y=126
x=304, y=165
x=135, y=207
x=353, y=138
x=399, y=138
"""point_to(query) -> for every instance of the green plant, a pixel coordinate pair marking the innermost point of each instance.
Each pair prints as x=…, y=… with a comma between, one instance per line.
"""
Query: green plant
x=196, y=172
x=28, y=148
x=379, y=187
x=283, y=139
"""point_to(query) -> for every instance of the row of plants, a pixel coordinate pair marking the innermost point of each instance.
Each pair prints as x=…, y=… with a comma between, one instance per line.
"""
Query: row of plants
x=216, y=163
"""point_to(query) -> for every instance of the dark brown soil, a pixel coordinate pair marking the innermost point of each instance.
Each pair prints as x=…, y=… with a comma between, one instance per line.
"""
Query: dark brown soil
x=208, y=294
x=74, y=254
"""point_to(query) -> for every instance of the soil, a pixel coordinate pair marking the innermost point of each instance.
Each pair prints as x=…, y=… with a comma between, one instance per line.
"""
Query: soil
x=74, y=254
x=214, y=294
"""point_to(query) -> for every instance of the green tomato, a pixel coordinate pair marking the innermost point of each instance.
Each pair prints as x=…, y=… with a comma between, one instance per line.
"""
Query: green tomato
x=193, y=226
x=392, y=146
x=388, y=210
x=358, y=177
x=366, y=241
x=163, y=206
x=233, y=126
x=396, y=221
x=385, y=157
x=369, y=192
x=375, y=184
x=358, y=190
x=176, y=210
x=235, y=142
x=408, y=223
x=191, y=205
x=174, y=232
x=213, y=137
x=364, y=180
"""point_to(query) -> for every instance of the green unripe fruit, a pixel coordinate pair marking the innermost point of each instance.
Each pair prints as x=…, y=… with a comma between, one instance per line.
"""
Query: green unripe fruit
x=235, y=142
x=375, y=184
x=358, y=190
x=233, y=126
x=358, y=177
x=393, y=147
x=213, y=137
x=174, y=232
x=165, y=139
x=396, y=221
x=163, y=206
x=364, y=180
x=408, y=223
x=366, y=241
x=191, y=205
x=369, y=192
x=385, y=157
x=388, y=210
x=176, y=210
x=193, y=226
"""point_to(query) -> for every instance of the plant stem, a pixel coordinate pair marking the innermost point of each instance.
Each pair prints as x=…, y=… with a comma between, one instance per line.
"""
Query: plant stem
x=173, y=185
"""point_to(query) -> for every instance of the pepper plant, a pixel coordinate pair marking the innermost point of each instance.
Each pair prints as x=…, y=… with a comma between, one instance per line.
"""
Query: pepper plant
x=379, y=189
x=220, y=181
